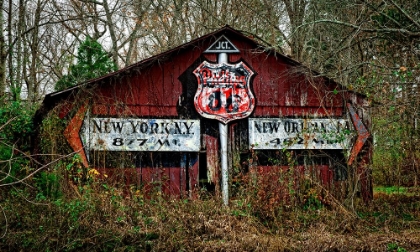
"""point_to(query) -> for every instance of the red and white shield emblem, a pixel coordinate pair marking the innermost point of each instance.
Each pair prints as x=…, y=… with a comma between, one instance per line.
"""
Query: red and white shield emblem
x=224, y=91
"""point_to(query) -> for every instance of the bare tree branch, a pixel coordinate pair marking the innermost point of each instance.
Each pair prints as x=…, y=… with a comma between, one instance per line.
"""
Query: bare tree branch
x=403, y=31
x=405, y=14
x=38, y=170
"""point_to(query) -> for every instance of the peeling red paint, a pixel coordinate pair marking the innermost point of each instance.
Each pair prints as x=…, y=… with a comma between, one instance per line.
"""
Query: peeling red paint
x=276, y=182
x=71, y=133
x=164, y=87
x=362, y=134
x=193, y=180
x=223, y=91
x=64, y=111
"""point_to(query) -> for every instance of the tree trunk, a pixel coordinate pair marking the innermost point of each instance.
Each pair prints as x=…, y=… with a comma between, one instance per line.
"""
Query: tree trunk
x=3, y=55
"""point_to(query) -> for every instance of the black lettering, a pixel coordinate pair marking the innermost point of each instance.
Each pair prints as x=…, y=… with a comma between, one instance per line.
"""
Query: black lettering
x=107, y=129
x=315, y=127
x=215, y=103
x=117, y=126
x=144, y=127
x=154, y=128
x=141, y=141
x=167, y=129
x=164, y=128
x=188, y=128
x=134, y=126
x=177, y=129
x=276, y=141
x=264, y=127
x=318, y=141
x=287, y=127
x=338, y=127
x=232, y=103
x=323, y=129
x=175, y=141
x=257, y=127
x=274, y=127
x=300, y=141
x=166, y=142
x=295, y=127
x=341, y=127
x=347, y=126
x=96, y=126
x=118, y=142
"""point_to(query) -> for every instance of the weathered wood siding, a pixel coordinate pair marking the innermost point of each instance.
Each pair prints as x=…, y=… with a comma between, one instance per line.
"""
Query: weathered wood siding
x=164, y=87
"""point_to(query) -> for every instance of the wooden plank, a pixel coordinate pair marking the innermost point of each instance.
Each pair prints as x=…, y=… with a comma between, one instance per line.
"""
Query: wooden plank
x=150, y=178
x=165, y=180
x=193, y=173
x=212, y=155
x=326, y=175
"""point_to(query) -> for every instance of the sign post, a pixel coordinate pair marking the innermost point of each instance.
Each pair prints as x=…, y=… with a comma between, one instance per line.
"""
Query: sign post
x=223, y=131
x=224, y=94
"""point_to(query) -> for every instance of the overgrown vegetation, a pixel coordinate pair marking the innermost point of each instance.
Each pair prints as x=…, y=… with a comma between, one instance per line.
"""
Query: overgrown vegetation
x=395, y=125
x=66, y=207
x=16, y=128
x=371, y=47
x=96, y=216
x=71, y=208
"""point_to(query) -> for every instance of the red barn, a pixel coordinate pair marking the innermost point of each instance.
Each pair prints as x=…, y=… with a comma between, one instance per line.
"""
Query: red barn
x=157, y=123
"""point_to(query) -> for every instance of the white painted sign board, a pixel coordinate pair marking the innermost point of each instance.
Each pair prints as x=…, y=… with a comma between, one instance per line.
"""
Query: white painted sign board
x=134, y=134
x=276, y=133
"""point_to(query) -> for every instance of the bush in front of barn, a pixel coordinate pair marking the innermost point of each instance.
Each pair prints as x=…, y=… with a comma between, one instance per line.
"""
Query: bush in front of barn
x=95, y=215
x=16, y=128
x=67, y=207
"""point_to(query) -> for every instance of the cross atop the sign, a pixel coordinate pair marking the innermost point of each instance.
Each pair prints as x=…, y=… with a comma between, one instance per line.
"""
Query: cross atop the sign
x=222, y=45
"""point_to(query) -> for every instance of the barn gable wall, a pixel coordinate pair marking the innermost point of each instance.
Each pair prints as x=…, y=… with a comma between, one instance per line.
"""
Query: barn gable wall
x=164, y=87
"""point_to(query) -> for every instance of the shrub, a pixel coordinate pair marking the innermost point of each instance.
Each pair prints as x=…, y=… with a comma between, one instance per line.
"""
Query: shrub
x=16, y=128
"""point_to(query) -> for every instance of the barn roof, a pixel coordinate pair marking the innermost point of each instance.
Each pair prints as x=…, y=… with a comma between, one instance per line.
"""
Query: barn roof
x=54, y=97
x=214, y=35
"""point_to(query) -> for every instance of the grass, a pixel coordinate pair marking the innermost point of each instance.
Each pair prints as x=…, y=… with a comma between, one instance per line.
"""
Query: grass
x=390, y=189
x=99, y=218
